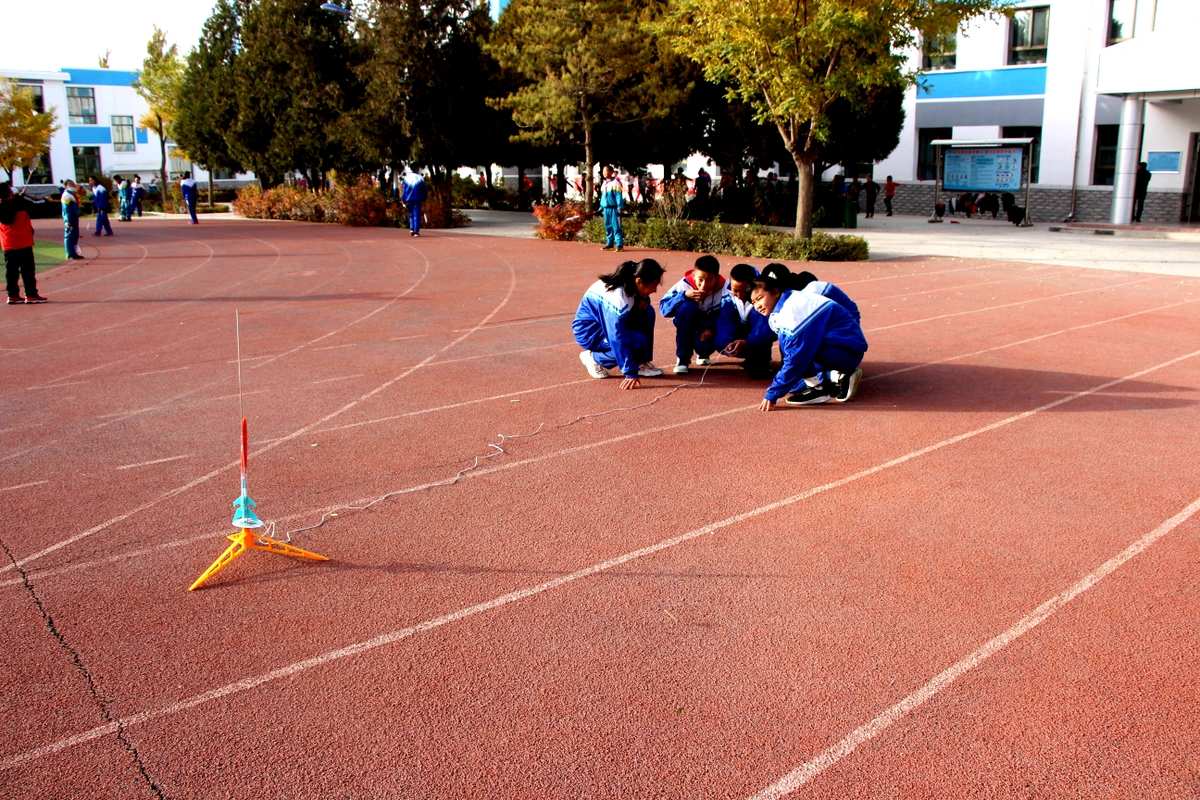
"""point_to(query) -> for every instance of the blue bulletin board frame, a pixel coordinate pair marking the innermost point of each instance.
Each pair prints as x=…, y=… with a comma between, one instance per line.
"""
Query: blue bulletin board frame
x=1164, y=160
x=983, y=169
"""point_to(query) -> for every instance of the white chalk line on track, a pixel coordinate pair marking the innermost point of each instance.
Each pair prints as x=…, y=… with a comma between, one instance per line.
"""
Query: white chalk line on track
x=391, y=637
x=339, y=378
x=155, y=461
x=297, y=433
x=162, y=371
x=809, y=770
x=68, y=568
x=23, y=486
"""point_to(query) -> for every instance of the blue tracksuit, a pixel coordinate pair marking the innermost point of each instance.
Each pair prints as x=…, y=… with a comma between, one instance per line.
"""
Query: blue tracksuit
x=100, y=203
x=415, y=192
x=815, y=334
x=692, y=317
x=827, y=289
x=616, y=328
x=70, y=216
x=187, y=187
x=612, y=200
x=737, y=319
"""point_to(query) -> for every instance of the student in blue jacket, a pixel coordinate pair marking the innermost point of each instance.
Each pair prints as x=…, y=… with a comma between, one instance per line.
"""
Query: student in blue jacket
x=808, y=282
x=815, y=335
x=692, y=304
x=187, y=188
x=742, y=332
x=100, y=204
x=70, y=218
x=615, y=323
x=415, y=192
x=612, y=201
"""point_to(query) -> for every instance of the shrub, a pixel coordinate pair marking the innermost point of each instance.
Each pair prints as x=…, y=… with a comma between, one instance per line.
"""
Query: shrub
x=359, y=204
x=562, y=222
x=753, y=241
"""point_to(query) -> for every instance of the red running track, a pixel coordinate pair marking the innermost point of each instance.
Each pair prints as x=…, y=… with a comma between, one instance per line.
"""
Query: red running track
x=976, y=580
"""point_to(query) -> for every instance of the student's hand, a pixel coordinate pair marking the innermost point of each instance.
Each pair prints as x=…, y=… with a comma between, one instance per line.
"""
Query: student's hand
x=631, y=383
x=734, y=348
x=693, y=294
x=766, y=405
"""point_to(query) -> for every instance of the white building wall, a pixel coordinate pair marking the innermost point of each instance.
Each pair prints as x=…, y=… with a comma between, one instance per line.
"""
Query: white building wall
x=1169, y=127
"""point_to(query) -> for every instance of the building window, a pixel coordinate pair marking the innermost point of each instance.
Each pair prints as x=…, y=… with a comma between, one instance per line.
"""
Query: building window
x=1027, y=36
x=1034, y=151
x=81, y=105
x=122, y=134
x=1104, y=165
x=940, y=52
x=1120, y=20
x=87, y=162
x=927, y=153
x=40, y=174
x=34, y=88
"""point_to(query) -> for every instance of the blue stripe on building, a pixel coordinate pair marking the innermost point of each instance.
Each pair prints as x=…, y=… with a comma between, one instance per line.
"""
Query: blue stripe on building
x=1009, y=82
x=90, y=134
x=100, y=77
x=142, y=136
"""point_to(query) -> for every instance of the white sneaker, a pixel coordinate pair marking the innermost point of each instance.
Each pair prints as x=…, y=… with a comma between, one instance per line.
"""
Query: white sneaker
x=589, y=363
x=680, y=368
x=648, y=370
x=703, y=362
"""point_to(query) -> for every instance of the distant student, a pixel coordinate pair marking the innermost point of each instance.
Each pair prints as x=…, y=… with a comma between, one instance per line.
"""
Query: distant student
x=139, y=194
x=100, y=204
x=415, y=192
x=70, y=217
x=187, y=187
x=615, y=323
x=124, y=198
x=871, y=188
x=742, y=332
x=692, y=304
x=612, y=201
x=816, y=335
x=889, y=194
x=16, y=240
x=806, y=281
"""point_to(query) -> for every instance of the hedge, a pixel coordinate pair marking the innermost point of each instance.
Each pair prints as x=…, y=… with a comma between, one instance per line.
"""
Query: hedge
x=358, y=204
x=753, y=241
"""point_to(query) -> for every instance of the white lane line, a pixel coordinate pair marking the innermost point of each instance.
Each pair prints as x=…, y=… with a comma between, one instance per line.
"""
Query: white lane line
x=22, y=486
x=41, y=386
x=162, y=371
x=311, y=512
x=335, y=347
x=804, y=773
x=249, y=358
x=553, y=318
x=1010, y=305
x=180, y=404
x=500, y=601
x=341, y=378
x=156, y=461
x=414, y=336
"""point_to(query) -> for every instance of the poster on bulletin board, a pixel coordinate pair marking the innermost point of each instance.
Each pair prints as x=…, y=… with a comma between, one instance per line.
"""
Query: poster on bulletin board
x=982, y=169
x=1163, y=161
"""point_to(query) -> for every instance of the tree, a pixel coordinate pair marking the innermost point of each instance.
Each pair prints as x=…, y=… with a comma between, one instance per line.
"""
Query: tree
x=586, y=63
x=24, y=133
x=864, y=132
x=791, y=60
x=206, y=107
x=295, y=84
x=158, y=84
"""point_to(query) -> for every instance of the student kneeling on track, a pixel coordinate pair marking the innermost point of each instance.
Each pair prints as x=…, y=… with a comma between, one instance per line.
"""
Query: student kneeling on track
x=742, y=332
x=615, y=323
x=693, y=304
x=816, y=335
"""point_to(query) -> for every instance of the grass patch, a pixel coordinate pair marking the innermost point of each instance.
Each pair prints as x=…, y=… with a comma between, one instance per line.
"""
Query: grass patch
x=47, y=255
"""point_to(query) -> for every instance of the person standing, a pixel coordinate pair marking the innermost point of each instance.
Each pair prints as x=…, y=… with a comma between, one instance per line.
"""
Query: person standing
x=187, y=187
x=70, y=217
x=139, y=193
x=124, y=198
x=1140, y=186
x=16, y=240
x=889, y=193
x=612, y=200
x=872, y=190
x=100, y=203
x=415, y=192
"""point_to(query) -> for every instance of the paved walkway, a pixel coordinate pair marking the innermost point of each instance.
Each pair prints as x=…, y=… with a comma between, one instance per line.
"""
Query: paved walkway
x=890, y=237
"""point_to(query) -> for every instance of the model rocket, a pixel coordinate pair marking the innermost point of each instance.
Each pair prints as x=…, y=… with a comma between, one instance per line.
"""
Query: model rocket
x=244, y=515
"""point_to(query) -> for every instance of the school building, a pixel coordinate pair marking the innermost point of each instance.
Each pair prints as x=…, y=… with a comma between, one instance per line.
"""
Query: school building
x=1100, y=85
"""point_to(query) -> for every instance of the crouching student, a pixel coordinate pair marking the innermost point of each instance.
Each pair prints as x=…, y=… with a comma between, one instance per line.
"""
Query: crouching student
x=816, y=335
x=742, y=332
x=615, y=323
x=807, y=282
x=692, y=304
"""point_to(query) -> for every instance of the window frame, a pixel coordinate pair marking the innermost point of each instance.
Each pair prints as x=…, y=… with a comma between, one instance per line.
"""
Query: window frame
x=938, y=132
x=934, y=53
x=119, y=145
x=75, y=100
x=38, y=89
x=1112, y=6
x=1016, y=52
x=1033, y=151
x=1108, y=164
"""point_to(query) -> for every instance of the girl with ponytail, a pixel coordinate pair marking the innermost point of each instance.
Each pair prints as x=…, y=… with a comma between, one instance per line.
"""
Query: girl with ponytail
x=816, y=335
x=615, y=323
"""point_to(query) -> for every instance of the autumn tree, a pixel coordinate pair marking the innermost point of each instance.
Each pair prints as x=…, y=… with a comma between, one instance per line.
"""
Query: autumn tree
x=791, y=60
x=24, y=133
x=158, y=83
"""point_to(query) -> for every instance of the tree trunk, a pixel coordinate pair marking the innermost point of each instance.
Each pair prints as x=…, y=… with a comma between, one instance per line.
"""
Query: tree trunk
x=521, y=198
x=162, y=145
x=588, y=193
x=560, y=182
x=210, y=189
x=804, y=197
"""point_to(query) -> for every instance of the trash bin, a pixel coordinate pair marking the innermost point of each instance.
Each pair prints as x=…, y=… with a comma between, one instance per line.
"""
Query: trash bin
x=849, y=214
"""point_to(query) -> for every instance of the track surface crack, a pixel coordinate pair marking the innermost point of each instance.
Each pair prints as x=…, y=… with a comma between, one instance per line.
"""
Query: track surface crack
x=103, y=705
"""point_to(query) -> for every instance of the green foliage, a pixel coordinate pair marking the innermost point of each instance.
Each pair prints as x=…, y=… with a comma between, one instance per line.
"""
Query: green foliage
x=159, y=84
x=24, y=133
x=749, y=241
x=466, y=193
x=563, y=221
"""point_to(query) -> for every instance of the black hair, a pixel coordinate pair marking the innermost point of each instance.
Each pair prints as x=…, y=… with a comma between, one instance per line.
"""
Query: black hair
x=625, y=276
x=708, y=264
x=776, y=277
x=5, y=190
x=743, y=273
x=802, y=280
x=187, y=174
